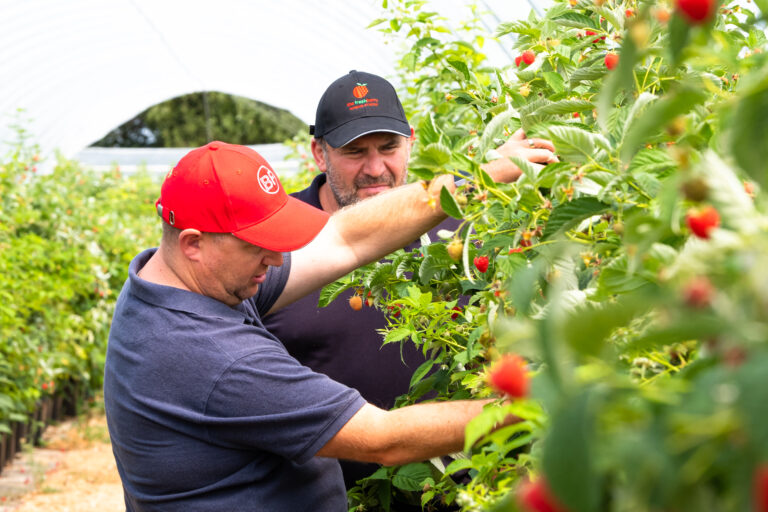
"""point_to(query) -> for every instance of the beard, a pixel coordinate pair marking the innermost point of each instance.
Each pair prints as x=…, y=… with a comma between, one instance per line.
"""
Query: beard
x=346, y=195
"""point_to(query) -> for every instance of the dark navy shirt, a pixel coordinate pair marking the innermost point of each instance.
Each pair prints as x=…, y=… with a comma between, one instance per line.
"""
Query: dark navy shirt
x=345, y=345
x=207, y=411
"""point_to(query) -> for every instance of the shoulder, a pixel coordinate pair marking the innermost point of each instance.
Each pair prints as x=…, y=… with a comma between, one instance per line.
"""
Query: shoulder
x=311, y=194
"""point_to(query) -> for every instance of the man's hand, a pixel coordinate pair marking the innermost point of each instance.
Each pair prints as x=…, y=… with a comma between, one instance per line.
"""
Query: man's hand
x=537, y=151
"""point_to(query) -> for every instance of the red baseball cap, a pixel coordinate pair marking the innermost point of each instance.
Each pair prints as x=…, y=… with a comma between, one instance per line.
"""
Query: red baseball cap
x=226, y=188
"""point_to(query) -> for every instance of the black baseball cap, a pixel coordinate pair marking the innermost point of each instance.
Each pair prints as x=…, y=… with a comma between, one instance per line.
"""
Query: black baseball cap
x=357, y=104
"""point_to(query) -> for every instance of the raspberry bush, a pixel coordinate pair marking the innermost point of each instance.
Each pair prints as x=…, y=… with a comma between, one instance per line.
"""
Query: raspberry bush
x=644, y=340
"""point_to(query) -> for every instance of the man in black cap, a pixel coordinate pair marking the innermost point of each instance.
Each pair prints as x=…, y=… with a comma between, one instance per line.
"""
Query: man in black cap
x=362, y=143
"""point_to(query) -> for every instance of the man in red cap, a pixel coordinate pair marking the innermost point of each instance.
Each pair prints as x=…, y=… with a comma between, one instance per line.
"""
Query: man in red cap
x=206, y=409
x=362, y=143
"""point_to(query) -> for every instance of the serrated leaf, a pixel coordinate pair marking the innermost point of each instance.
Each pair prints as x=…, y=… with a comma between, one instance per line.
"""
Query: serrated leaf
x=577, y=144
x=423, y=369
x=449, y=205
x=566, y=107
x=428, y=131
x=576, y=20
x=567, y=215
x=331, y=291
x=461, y=67
x=510, y=264
x=531, y=171
x=494, y=128
x=658, y=115
x=411, y=476
x=397, y=334
x=436, y=154
x=586, y=74
x=622, y=77
x=555, y=81
x=458, y=465
x=482, y=424
x=427, y=270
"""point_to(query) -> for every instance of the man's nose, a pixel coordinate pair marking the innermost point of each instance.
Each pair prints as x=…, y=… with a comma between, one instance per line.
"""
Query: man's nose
x=375, y=165
x=274, y=259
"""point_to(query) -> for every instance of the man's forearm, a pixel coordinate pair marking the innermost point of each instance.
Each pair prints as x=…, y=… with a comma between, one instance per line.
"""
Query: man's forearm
x=410, y=434
x=363, y=233
x=386, y=222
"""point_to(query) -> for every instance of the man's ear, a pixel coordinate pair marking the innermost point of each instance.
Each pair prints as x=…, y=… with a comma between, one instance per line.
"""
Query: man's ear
x=317, y=153
x=189, y=243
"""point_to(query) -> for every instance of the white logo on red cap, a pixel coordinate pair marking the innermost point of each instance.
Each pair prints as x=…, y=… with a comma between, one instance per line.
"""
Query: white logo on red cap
x=267, y=180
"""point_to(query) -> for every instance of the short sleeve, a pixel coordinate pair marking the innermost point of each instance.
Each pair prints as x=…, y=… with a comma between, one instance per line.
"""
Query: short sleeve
x=270, y=290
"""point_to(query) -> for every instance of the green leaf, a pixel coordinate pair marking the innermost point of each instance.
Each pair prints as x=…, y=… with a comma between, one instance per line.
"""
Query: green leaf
x=531, y=172
x=565, y=107
x=449, y=205
x=749, y=131
x=679, y=31
x=658, y=115
x=555, y=81
x=576, y=20
x=397, y=334
x=458, y=465
x=510, y=264
x=331, y=291
x=377, y=21
x=411, y=476
x=428, y=131
x=577, y=144
x=586, y=74
x=567, y=459
x=461, y=67
x=427, y=269
x=587, y=327
x=616, y=278
x=379, y=275
x=494, y=128
x=620, y=78
x=436, y=153
x=421, y=371
x=482, y=424
x=651, y=161
x=567, y=215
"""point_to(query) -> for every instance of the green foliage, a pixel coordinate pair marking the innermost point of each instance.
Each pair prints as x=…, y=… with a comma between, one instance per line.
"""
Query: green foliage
x=207, y=116
x=65, y=243
x=645, y=343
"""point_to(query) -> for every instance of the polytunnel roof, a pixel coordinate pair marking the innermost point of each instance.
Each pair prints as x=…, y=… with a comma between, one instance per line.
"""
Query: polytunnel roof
x=80, y=68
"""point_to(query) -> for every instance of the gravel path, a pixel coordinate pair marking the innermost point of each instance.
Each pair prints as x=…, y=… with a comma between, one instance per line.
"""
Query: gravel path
x=74, y=472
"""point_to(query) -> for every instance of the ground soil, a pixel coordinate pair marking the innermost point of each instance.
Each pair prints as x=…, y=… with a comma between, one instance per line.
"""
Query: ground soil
x=73, y=471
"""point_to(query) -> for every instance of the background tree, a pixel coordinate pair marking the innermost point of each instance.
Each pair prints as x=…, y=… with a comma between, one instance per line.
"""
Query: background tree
x=197, y=118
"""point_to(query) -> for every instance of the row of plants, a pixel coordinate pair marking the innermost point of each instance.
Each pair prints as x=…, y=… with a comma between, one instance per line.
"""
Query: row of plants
x=615, y=301
x=66, y=238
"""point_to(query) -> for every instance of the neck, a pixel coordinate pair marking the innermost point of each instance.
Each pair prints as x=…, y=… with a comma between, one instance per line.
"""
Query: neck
x=327, y=199
x=159, y=271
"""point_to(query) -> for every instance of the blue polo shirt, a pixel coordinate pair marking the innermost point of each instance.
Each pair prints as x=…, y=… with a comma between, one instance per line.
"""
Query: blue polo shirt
x=208, y=411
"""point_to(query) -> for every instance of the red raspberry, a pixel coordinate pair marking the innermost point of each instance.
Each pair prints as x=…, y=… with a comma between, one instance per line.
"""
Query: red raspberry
x=509, y=376
x=702, y=221
x=536, y=497
x=528, y=57
x=697, y=12
x=481, y=263
x=611, y=60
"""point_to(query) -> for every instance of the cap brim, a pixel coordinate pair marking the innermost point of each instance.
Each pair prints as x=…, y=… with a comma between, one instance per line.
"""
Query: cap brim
x=356, y=128
x=292, y=227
